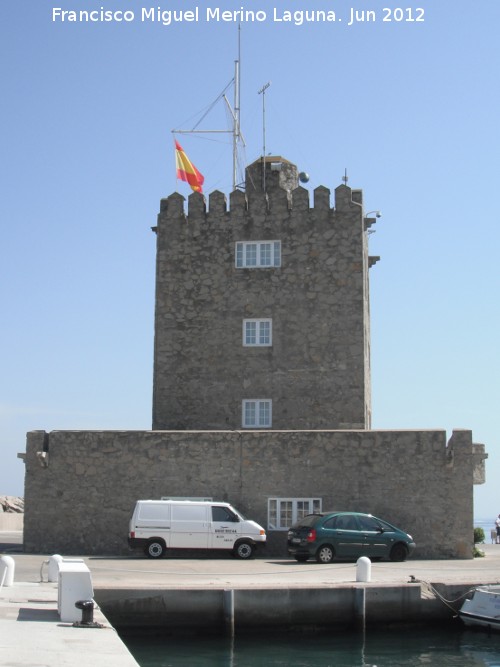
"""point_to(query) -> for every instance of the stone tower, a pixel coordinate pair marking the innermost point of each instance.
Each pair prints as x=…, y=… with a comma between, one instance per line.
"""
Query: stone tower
x=262, y=308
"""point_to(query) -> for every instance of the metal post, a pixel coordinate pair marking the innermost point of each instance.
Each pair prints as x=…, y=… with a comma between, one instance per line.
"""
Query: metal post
x=360, y=608
x=228, y=604
x=262, y=92
x=236, y=114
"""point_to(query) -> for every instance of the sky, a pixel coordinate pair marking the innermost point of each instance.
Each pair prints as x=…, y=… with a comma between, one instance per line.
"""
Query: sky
x=409, y=109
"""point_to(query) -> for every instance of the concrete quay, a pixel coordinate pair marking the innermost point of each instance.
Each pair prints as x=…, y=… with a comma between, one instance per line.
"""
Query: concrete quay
x=31, y=632
x=32, y=635
x=221, y=595
x=224, y=594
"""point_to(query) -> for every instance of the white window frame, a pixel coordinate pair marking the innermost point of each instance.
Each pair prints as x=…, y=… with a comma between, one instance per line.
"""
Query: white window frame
x=259, y=404
x=281, y=511
x=260, y=327
x=255, y=255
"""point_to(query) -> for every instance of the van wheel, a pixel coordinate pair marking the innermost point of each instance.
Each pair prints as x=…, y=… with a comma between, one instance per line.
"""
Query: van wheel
x=243, y=550
x=325, y=554
x=155, y=549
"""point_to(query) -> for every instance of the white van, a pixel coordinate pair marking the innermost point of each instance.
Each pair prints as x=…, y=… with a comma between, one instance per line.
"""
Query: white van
x=158, y=525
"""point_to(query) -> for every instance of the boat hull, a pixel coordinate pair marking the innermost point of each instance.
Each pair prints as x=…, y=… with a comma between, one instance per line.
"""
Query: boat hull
x=483, y=609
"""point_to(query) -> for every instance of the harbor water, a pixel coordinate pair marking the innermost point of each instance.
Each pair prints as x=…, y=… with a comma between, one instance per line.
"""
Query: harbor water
x=450, y=646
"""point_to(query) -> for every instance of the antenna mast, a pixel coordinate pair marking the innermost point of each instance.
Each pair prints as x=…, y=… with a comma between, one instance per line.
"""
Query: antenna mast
x=263, y=92
x=235, y=115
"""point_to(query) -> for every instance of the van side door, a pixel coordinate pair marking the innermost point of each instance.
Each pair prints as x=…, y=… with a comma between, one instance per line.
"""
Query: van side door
x=224, y=528
x=189, y=526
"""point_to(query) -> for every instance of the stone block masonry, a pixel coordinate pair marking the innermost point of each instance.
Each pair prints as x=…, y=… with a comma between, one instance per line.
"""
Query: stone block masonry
x=80, y=494
x=315, y=370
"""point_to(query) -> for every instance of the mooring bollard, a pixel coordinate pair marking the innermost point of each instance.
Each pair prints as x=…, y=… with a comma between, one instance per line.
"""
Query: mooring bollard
x=7, y=568
x=54, y=567
x=364, y=569
x=87, y=607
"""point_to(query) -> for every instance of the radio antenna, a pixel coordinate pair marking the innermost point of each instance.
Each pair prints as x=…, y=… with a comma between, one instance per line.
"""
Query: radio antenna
x=262, y=92
x=235, y=131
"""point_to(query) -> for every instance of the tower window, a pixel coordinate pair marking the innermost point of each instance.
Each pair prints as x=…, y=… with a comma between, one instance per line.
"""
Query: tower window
x=257, y=254
x=256, y=413
x=257, y=333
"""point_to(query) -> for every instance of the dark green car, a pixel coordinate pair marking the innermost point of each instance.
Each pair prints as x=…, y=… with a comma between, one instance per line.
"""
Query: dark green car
x=347, y=535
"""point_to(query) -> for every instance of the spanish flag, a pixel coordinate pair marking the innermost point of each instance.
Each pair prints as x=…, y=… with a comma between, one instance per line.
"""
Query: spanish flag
x=186, y=171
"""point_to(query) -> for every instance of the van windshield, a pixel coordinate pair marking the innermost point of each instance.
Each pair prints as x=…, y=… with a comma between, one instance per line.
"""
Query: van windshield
x=238, y=514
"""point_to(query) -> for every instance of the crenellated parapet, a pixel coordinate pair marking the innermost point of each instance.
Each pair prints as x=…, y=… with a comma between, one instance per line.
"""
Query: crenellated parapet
x=276, y=203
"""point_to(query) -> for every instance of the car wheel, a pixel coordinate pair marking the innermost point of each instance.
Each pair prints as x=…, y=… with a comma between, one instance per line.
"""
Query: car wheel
x=398, y=552
x=325, y=554
x=155, y=549
x=301, y=558
x=244, y=550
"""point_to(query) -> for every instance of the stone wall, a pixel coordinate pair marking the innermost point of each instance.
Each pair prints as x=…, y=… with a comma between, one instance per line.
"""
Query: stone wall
x=11, y=522
x=317, y=370
x=81, y=486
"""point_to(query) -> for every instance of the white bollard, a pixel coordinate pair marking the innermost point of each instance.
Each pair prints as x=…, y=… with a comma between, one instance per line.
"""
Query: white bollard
x=364, y=569
x=54, y=567
x=7, y=568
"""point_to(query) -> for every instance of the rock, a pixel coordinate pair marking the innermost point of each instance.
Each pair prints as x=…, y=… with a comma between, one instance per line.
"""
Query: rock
x=12, y=504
